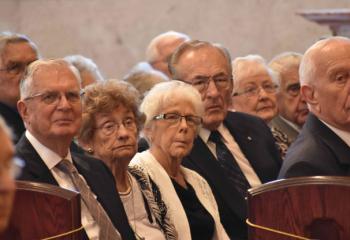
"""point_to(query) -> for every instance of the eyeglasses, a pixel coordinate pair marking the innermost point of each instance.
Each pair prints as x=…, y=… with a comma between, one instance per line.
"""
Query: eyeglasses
x=175, y=118
x=52, y=97
x=294, y=89
x=255, y=90
x=111, y=127
x=201, y=83
x=16, y=68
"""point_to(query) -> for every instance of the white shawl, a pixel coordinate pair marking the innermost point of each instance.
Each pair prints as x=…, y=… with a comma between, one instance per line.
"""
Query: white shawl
x=177, y=215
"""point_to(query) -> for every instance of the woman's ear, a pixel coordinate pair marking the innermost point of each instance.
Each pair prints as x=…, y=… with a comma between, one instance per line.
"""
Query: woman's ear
x=87, y=146
x=147, y=132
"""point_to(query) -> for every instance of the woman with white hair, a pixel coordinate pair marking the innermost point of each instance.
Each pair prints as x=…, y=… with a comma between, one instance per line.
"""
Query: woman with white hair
x=173, y=116
x=254, y=92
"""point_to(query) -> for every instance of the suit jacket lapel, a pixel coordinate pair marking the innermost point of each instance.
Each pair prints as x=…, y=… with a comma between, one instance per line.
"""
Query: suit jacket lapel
x=336, y=144
x=103, y=186
x=35, y=168
x=211, y=168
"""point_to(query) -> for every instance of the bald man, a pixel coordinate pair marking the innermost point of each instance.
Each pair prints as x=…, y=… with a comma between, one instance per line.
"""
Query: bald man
x=323, y=146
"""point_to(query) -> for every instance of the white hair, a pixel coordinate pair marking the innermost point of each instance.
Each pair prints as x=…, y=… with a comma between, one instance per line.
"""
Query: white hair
x=284, y=62
x=26, y=82
x=152, y=52
x=257, y=59
x=166, y=93
x=85, y=64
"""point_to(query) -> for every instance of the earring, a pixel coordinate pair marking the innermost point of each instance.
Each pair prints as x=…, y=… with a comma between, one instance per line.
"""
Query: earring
x=90, y=150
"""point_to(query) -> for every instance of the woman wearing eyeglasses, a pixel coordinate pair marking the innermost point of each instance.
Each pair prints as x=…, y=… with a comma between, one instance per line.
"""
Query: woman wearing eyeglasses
x=111, y=123
x=173, y=116
x=254, y=92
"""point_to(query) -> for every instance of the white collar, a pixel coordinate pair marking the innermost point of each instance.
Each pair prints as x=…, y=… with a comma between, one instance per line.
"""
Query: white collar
x=344, y=135
x=50, y=158
x=205, y=133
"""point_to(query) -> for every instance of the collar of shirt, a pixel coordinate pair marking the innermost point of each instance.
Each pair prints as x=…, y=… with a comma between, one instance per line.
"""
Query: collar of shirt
x=345, y=136
x=293, y=125
x=50, y=158
x=205, y=133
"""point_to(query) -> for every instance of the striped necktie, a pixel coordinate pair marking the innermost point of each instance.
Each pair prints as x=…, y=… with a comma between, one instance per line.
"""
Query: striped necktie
x=107, y=229
x=229, y=164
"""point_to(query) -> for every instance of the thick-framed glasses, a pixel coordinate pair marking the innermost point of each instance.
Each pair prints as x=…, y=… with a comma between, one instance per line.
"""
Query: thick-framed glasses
x=294, y=89
x=175, y=118
x=201, y=83
x=53, y=97
x=112, y=127
x=255, y=90
x=15, y=68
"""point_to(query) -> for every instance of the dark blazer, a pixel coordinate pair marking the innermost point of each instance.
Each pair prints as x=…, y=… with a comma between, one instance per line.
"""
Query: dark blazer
x=316, y=151
x=13, y=120
x=257, y=144
x=96, y=174
x=280, y=124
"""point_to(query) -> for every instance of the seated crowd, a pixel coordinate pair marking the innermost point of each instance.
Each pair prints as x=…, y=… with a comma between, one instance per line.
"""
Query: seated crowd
x=170, y=151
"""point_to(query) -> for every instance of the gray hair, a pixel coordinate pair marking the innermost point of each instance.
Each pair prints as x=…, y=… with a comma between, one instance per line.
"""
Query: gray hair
x=152, y=52
x=10, y=37
x=237, y=62
x=25, y=85
x=195, y=45
x=85, y=64
x=166, y=93
x=143, y=77
x=284, y=62
x=308, y=66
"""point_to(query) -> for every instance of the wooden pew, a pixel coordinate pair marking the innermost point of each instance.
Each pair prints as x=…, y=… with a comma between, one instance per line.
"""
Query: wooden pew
x=41, y=211
x=308, y=207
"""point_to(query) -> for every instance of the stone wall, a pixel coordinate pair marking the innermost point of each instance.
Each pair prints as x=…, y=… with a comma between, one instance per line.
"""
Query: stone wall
x=115, y=33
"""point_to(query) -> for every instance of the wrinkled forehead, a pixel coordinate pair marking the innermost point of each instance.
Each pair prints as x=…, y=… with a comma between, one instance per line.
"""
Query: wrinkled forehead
x=54, y=71
x=329, y=51
x=249, y=71
x=204, y=60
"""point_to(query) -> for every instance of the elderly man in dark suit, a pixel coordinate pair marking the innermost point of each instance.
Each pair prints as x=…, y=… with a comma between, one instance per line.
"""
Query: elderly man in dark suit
x=291, y=105
x=322, y=148
x=51, y=110
x=16, y=53
x=234, y=151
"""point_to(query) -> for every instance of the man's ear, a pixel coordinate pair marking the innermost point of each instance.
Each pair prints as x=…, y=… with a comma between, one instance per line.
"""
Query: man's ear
x=22, y=110
x=311, y=97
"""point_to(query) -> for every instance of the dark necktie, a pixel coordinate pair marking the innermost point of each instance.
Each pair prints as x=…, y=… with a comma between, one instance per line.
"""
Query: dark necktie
x=229, y=164
x=107, y=229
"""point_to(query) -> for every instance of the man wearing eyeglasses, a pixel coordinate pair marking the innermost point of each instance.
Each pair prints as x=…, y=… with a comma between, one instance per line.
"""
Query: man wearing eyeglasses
x=234, y=151
x=50, y=106
x=291, y=105
x=16, y=52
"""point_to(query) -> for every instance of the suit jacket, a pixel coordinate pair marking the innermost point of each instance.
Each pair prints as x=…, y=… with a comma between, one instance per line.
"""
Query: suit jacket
x=96, y=174
x=316, y=151
x=13, y=120
x=257, y=144
x=283, y=126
